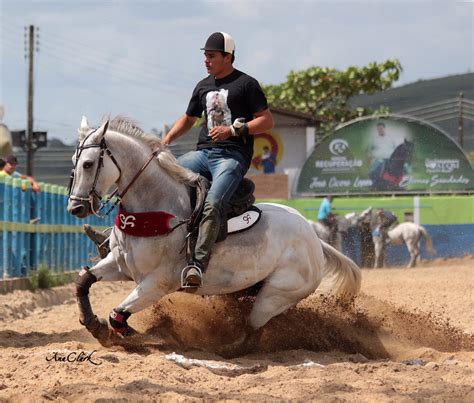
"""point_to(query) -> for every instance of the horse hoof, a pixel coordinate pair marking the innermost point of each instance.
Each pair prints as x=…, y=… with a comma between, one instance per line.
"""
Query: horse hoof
x=128, y=332
x=100, y=330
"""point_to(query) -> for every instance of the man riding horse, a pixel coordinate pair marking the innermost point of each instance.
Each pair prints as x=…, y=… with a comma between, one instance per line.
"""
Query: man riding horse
x=224, y=150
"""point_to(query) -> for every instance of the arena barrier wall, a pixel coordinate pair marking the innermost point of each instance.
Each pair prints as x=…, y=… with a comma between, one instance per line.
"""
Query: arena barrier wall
x=448, y=219
x=37, y=230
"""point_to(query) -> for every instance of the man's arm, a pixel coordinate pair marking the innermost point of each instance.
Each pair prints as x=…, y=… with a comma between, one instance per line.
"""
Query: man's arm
x=181, y=126
x=34, y=185
x=262, y=122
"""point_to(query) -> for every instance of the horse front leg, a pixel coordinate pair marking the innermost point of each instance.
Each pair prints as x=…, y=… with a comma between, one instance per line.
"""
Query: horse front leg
x=146, y=293
x=107, y=270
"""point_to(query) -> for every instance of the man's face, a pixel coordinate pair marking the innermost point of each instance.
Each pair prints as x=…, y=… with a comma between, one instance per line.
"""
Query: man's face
x=381, y=130
x=10, y=167
x=215, y=62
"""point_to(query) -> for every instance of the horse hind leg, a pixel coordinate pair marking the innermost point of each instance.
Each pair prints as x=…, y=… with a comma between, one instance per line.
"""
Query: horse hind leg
x=281, y=291
x=379, y=249
x=414, y=251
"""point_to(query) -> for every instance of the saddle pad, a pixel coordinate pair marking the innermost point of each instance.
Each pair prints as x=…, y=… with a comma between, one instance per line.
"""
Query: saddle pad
x=244, y=221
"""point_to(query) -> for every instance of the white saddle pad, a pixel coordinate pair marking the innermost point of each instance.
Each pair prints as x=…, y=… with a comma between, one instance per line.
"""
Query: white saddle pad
x=243, y=221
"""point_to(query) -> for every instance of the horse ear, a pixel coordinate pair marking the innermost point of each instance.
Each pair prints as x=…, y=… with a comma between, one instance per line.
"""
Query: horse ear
x=84, y=128
x=84, y=123
x=103, y=129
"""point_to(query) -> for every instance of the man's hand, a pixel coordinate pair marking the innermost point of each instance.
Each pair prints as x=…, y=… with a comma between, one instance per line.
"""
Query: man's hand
x=220, y=133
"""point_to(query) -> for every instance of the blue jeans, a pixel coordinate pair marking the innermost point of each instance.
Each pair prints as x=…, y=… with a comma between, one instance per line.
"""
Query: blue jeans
x=226, y=169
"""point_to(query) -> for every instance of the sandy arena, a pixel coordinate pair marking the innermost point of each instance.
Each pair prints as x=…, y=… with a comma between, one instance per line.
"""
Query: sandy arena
x=408, y=336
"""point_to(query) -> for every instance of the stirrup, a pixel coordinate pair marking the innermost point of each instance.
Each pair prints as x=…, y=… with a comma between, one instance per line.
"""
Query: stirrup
x=193, y=272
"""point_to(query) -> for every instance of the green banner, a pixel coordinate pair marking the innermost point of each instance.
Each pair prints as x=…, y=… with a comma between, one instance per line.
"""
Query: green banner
x=386, y=154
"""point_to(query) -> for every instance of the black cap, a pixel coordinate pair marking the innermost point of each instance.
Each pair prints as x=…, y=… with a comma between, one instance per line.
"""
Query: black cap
x=221, y=42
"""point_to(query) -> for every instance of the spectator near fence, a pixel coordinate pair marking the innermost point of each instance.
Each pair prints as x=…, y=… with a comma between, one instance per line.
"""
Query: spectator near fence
x=9, y=169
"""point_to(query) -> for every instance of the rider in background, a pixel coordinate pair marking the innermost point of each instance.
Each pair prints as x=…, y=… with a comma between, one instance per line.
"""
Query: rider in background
x=327, y=218
x=386, y=220
x=225, y=145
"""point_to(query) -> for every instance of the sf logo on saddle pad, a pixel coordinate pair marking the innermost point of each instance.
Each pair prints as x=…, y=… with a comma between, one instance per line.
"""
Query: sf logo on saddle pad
x=243, y=221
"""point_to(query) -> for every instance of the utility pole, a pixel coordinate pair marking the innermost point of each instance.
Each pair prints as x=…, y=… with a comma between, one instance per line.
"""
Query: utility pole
x=29, y=130
x=461, y=120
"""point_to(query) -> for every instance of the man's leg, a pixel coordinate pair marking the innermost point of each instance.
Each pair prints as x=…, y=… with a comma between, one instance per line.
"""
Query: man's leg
x=196, y=161
x=226, y=176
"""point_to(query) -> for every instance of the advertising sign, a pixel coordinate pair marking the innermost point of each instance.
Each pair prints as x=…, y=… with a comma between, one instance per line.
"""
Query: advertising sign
x=386, y=154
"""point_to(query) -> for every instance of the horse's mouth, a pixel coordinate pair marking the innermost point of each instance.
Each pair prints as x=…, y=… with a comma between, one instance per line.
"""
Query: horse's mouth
x=80, y=209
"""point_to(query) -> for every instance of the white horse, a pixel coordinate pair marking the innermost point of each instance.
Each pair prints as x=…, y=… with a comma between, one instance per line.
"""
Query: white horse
x=281, y=251
x=344, y=222
x=408, y=233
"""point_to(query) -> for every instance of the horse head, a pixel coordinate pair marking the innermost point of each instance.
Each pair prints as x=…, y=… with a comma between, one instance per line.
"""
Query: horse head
x=365, y=215
x=95, y=171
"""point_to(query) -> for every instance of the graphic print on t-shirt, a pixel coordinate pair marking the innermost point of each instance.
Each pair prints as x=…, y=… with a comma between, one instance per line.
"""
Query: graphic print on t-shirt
x=218, y=112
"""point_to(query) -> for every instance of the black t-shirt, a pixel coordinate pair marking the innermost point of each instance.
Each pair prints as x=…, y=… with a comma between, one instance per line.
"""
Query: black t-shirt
x=223, y=100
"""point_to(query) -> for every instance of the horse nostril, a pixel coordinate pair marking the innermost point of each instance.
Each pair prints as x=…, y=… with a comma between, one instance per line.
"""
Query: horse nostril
x=77, y=210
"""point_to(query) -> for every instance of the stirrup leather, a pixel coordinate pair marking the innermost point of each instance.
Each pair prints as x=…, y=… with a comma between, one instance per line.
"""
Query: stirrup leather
x=184, y=273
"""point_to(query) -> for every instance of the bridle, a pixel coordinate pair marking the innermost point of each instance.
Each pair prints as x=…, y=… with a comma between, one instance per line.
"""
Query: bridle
x=93, y=195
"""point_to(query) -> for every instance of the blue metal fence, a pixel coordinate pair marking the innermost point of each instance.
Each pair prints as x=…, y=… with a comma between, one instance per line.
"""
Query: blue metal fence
x=37, y=230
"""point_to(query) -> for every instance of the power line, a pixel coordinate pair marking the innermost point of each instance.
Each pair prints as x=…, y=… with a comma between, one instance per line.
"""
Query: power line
x=87, y=60
x=93, y=90
x=63, y=42
x=61, y=45
x=101, y=66
x=417, y=110
x=143, y=83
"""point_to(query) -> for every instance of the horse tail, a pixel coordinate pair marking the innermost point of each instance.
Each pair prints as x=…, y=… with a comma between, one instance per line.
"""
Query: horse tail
x=343, y=275
x=429, y=241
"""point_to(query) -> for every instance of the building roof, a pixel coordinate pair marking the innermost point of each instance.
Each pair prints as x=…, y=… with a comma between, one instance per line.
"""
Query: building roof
x=306, y=117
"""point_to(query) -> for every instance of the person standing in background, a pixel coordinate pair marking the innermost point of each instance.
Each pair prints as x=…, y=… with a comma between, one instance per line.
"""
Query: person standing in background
x=327, y=218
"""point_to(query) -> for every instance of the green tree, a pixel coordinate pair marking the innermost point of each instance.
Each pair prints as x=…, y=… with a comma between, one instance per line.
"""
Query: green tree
x=324, y=92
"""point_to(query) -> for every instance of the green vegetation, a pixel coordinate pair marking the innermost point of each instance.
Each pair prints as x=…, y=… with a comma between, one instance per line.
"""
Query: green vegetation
x=43, y=278
x=324, y=93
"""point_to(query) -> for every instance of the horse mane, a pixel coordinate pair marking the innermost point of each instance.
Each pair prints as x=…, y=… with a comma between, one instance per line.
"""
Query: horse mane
x=165, y=158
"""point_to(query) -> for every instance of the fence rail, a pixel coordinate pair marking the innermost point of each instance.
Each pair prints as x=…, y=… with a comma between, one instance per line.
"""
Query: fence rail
x=35, y=229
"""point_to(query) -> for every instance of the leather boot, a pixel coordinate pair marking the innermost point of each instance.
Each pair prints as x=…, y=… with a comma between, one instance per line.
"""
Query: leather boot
x=208, y=233
x=101, y=239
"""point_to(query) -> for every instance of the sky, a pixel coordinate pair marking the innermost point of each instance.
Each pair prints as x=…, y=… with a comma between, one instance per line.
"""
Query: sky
x=142, y=58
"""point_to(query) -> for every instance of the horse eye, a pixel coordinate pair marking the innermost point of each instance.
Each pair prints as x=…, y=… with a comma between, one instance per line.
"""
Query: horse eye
x=87, y=164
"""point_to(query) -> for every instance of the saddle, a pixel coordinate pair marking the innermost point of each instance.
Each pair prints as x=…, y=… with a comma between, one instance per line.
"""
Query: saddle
x=241, y=214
